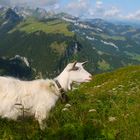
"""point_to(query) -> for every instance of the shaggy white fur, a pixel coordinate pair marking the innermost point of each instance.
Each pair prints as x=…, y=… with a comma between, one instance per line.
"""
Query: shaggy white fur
x=37, y=96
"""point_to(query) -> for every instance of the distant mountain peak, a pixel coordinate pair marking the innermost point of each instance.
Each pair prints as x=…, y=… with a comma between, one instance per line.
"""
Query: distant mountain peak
x=12, y=15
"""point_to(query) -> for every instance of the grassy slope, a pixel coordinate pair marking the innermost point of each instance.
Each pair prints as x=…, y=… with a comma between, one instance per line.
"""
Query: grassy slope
x=52, y=26
x=106, y=37
x=114, y=99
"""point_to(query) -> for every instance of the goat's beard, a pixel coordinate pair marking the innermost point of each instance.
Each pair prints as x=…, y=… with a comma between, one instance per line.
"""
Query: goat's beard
x=74, y=85
x=65, y=98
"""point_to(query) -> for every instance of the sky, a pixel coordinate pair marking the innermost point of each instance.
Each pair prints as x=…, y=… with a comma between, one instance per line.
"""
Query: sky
x=107, y=9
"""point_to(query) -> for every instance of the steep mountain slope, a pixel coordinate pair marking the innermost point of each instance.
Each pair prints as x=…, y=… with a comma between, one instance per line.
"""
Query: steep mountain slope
x=107, y=108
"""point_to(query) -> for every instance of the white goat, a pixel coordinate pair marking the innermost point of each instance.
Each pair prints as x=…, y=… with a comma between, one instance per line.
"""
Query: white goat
x=38, y=96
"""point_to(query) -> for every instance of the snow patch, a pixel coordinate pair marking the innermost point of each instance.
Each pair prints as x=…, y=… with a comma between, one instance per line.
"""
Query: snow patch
x=100, y=30
x=83, y=25
x=111, y=44
x=24, y=59
x=90, y=38
x=4, y=23
x=69, y=20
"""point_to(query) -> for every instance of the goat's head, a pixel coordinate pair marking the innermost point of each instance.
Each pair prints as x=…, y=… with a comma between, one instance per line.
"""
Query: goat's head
x=77, y=73
x=73, y=72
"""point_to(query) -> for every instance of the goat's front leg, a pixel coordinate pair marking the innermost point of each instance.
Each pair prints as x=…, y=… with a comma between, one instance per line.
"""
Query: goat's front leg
x=41, y=115
x=42, y=124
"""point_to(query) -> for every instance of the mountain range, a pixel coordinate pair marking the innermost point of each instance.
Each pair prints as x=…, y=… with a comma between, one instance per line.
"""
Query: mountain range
x=49, y=40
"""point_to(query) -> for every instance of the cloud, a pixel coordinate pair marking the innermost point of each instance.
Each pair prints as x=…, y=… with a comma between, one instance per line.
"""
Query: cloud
x=56, y=6
x=96, y=10
x=99, y=4
x=77, y=8
x=82, y=8
x=100, y=10
x=4, y=2
x=33, y=3
x=91, y=10
x=133, y=16
x=112, y=12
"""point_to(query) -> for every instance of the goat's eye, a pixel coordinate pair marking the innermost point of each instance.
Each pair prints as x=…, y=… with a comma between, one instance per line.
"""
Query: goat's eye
x=75, y=68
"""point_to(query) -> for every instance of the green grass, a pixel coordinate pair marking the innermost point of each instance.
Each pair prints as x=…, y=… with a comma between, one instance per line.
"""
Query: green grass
x=129, y=31
x=106, y=37
x=136, y=35
x=134, y=56
x=52, y=26
x=107, y=108
x=59, y=47
x=103, y=65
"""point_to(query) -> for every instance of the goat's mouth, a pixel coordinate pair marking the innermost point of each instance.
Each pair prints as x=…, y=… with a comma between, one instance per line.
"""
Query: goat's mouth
x=83, y=81
x=87, y=80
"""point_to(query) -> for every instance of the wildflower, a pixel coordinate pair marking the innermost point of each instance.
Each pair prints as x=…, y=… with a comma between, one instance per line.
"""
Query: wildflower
x=120, y=86
x=91, y=95
x=114, y=89
x=99, y=101
x=67, y=105
x=65, y=109
x=92, y=110
x=112, y=119
x=125, y=115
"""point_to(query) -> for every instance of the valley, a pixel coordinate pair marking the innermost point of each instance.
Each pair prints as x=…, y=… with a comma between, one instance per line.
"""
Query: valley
x=50, y=41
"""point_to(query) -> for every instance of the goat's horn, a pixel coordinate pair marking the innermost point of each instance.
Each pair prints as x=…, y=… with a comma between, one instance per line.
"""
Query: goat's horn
x=74, y=63
x=84, y=62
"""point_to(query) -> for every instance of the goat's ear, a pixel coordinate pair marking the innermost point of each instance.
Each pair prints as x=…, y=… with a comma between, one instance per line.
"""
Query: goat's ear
x=84, y=62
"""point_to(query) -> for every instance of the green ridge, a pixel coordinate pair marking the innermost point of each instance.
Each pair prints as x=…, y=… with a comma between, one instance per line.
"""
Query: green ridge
x=50, y=26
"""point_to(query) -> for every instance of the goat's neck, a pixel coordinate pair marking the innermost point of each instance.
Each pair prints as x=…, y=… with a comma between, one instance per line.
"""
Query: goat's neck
x=64, y=81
